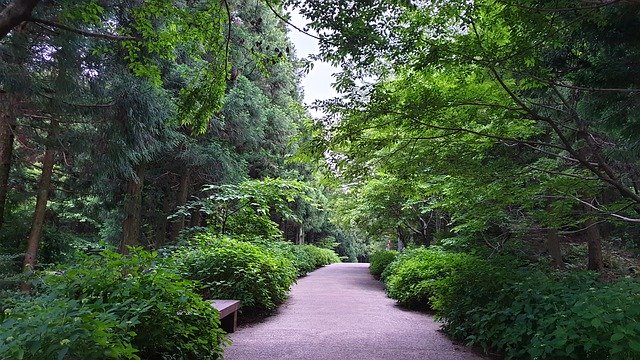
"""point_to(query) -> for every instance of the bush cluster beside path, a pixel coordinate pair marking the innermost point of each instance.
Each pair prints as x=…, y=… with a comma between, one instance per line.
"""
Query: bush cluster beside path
x=143, y=306
x=521, y=310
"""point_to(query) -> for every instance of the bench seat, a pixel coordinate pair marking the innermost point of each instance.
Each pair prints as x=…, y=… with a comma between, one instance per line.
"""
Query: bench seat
x=228, y=310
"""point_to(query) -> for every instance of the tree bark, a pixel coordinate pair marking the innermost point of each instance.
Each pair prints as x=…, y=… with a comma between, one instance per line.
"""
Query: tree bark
x=594, y=246
x=196, y=218
x=181, y=200
x=133, y=212
x=300, y=235
x=160, y=233
x=14, y=13
x=400, y=239
x=7, y=127
x=426, y=236
x=44, y=186
x=553, y=247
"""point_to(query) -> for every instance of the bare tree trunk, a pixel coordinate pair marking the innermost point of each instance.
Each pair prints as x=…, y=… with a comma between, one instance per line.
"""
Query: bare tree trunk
x=400, y=239
x=300, y=235
x=160, y=232
x=594, y=246
x=426, y=237
x=14, y=13
x=553, y=247
x=196, y=218
x=181, y=200
x=44, y=186
x=7, y=127
x=133, y=212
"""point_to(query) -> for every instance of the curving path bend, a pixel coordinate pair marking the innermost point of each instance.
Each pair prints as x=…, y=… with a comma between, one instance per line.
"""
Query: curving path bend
x=340, y=312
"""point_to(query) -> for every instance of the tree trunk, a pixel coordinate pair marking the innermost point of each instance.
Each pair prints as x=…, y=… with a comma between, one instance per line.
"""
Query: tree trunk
x=400, y=239
x=300, y=235
x=594, y=246
x=181, y=200
x=44, y=186
x=426, y=236
x=160, y=232
x=196, y=218
x=553, y=247
x=133, y=212
x=14, y=13
x=7, y=127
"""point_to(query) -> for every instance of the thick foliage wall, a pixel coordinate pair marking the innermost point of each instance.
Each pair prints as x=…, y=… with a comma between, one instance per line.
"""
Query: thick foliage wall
x=380, y=260
x=524, y=313
x=111, y=306
x=257, y=273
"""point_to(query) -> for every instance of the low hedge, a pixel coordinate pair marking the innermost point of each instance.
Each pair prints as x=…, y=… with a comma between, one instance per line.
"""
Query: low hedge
x=232, y=269
x=319, y=256
x=305, y=258
x=522, y=312
x=379, y=260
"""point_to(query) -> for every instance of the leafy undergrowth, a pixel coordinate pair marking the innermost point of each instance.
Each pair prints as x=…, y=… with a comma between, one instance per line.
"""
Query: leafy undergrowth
x=526, y=313
x=142, y=306
x=259, y=273
x=379, y=260
x=110, y=306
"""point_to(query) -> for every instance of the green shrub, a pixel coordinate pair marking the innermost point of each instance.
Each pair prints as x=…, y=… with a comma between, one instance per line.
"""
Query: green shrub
x=319, y=256
x=543, y=316
x=378, y=261
x=300, y=259
x=168, y=319
x=231, y=269
x=47, y=327
x=305, y=258
x=521, y=311
x=400, y=257
x=418, y=275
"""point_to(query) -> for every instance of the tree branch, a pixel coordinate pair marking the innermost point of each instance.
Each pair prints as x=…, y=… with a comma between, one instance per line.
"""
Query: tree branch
x=226, y=49
x=596, y=5
x=617, y=216
x=13, y=14
x=562, y=174
x=86, y=33
x=277, y=14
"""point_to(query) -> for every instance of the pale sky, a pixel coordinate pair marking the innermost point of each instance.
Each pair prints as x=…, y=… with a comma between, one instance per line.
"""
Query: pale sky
x=317, y=84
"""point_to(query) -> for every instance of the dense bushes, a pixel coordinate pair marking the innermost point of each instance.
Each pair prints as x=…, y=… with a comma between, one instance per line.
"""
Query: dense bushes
x=420, y=274
x=319, y=256
x=305, y=258
x=524, y=313
x=378, y=261
x=259, y=273
x=47, y=327
x=233, y=269
x=111, y=306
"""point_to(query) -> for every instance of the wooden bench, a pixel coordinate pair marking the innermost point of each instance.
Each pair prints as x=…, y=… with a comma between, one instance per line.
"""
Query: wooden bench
x=228, y=310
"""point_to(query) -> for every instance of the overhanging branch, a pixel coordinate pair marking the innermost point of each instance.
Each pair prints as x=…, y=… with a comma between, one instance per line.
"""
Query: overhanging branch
x=111, y=37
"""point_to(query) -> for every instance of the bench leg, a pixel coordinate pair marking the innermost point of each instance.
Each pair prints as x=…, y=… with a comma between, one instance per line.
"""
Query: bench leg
x=229, y=322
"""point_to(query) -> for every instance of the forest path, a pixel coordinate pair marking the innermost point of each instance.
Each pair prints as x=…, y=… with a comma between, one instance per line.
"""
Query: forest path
x=340, y=312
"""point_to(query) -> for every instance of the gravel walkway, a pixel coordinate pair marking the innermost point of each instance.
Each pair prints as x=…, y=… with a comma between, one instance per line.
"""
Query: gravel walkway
x=340, y=312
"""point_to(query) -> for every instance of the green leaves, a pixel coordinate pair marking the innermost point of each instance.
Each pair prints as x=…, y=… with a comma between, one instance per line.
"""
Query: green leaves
x=190, y=35
x=231, y=269
x=246, y=208
x=111, y=306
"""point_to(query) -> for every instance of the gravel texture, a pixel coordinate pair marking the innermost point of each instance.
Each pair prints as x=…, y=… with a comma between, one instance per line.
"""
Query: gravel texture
x=340, y=312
